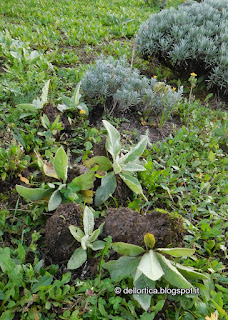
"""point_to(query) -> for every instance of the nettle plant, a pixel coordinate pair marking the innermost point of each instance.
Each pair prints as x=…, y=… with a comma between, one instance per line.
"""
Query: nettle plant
x=29, y=109
x=192, y=38
x=57, y=192
x=70, y=104
x=123, y=165
x=146, y=267
x=88, y=240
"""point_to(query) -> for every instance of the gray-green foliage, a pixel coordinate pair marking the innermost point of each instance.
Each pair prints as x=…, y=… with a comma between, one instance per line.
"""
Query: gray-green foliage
x=115, y=79
x=193, y=37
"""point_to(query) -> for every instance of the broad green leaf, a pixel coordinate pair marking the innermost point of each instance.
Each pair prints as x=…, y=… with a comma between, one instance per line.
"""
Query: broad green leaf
x=190, y=273
x=34, y=55
x=106, y=189
x=33, y=194
x=88, y=221
x=116, y=165
x=61, y=164
x=45, y=121
x=103, y=162
x=76, y=232
x=221, y=311
x=122, y=268
x=55, y=200
x=136, y=151
x=113, y=141
x=28, y=107
x=62, y=107
x=68, y=102
x=77, y=259
x=127, y=249
x=211, y=156
x=172, y=275
x=177, y=252
x=76, y=94
x=44, y=94
x=6, y=263
x=132, y=183
x=150, y=266
x=84, y=181
x=133, y=167
x=98, y=245
x=21, y=252
x=44, y=281
x=96, y=233
x=7, y=315
x=143, y=299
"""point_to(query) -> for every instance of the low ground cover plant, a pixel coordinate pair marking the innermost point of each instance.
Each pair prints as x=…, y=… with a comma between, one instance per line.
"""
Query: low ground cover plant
x=191, y=38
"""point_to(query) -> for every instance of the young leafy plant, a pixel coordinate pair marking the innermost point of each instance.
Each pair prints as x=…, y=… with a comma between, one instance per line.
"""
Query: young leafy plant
x=74, y=102
x=88, y=240
x=148, y=266
x=123, y=165
x=30, y=108
x=56, y=192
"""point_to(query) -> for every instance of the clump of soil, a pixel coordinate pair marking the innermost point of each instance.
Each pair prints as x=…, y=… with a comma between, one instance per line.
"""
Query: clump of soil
x=60, y=243
x=126, y=225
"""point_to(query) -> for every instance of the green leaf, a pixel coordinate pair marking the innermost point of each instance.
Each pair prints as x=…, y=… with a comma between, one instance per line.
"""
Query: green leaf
x=7, y=315
x=221, y=311
x=172, y=275
x=76, y=232
x=150, y=266
x=76, y=94
x=61, y=164
x=55, y=200
x=143, y=299
x=106, y=189
x=177, y=252
x=33, y=194
x=44, y=281
x=127, y=249
x=77, y=259
x=132, y=183
x=2, y=295
x=103, y=162
x=84, y=242
x=133, y=167
x=44, y=94
x=96, y=233
x=98, y=245
x=84, y=181
x=68, y=102
x=28, y=107
x=122, y=268
x=190, y=273
x=88, y=221
x=136, y=151
x=113, y=141
x=21, y=252
x=211, y=156
x=6, y=263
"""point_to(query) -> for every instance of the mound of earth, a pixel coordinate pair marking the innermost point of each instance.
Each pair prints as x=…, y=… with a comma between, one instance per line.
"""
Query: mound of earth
x=60, y=243
x=126, y=225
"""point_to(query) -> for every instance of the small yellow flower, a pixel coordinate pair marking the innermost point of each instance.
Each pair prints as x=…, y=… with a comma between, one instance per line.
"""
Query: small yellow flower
x=193, y=74
x=82, y=112
x=174, y=89
x=155, y=77
x=214, y=316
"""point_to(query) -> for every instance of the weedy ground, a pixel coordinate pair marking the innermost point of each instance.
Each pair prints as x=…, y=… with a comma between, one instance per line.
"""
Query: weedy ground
x=186, y=170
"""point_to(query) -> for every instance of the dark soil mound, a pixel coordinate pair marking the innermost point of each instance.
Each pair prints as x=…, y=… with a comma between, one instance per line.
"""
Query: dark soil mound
x=128, y=226
x=60, y=243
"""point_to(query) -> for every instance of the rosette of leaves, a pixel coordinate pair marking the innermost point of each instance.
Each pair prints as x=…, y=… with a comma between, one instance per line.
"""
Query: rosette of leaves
x=88, y=240
x=56, y=192
x=29, y=109
x=70, y=104
x=148, y=266
x=123, y=165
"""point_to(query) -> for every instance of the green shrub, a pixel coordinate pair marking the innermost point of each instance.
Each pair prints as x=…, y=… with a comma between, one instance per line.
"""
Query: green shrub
x=191, y=38
x=115, y=79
